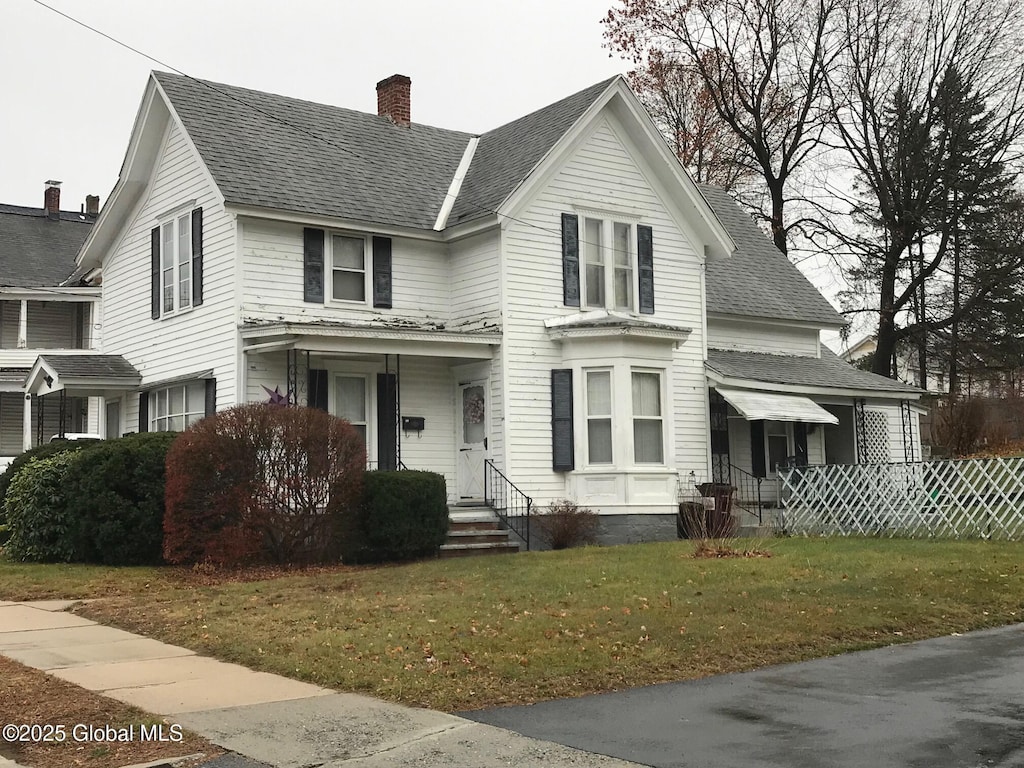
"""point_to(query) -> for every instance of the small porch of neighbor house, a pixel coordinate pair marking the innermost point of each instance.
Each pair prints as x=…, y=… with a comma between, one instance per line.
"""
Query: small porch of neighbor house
x=69, y=393
x=421, y=399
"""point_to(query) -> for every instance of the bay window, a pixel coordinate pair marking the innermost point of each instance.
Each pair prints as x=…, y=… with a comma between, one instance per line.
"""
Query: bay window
x=648, y=439
x=599, y=417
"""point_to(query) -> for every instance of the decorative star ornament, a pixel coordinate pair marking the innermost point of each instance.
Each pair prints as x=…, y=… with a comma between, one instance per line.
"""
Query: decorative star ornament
x=276, y=398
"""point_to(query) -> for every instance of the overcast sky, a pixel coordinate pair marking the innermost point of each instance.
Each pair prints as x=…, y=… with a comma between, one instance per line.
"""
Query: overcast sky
x=70, y=96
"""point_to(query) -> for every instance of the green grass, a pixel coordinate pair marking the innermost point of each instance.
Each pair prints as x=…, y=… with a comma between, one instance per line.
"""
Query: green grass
x=462, y=634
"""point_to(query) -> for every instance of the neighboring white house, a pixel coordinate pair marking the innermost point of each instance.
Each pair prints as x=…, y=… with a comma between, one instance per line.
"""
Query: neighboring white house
x=41, y=314
x=554, y=299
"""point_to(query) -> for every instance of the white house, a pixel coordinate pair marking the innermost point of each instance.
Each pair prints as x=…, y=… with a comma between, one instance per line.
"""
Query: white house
x=42, y=314
x=552, y=305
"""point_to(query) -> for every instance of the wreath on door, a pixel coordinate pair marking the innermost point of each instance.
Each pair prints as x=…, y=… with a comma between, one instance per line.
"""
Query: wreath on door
x=473, y=407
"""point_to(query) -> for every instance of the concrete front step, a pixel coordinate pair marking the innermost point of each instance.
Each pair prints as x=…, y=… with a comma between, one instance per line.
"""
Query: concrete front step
x=474, y=529
x=470, y=550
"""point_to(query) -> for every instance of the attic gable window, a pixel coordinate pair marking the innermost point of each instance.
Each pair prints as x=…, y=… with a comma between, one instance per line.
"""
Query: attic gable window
x=176, y=264
x=607, y=264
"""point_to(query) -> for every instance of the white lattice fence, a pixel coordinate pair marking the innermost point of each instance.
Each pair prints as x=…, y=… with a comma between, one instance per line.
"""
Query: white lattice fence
x=970, y=498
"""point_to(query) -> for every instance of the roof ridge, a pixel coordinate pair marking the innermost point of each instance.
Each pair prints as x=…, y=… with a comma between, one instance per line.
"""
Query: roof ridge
x=594, y=86
x=297, y=100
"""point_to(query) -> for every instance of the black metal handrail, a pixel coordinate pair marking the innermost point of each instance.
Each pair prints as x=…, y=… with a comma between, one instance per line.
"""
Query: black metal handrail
x=748, y=491
x=510, y=504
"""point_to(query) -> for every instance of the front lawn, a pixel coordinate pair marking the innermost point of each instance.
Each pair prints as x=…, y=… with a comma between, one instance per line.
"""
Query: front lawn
x=477, y=632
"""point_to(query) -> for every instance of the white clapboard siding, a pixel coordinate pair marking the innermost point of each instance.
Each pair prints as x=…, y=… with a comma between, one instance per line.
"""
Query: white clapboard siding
x=272, y=278
x=193, y=341
x=772, y=339
x=475, y=279
x=601, y=173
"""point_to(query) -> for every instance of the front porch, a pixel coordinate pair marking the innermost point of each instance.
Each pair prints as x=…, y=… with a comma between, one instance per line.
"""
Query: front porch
x=421, y=399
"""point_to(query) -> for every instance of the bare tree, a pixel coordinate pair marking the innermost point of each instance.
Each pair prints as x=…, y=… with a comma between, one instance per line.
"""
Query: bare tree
x=762, y=64
x=928, y=106
x=684, y=111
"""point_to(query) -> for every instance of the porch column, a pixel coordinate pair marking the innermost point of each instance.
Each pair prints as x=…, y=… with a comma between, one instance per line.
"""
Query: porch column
x=26, y=425
x=23, y=325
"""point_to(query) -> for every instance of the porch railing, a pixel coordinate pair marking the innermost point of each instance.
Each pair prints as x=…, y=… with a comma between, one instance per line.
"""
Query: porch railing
x=748, y=495
x=372, y=466
x=511, y=505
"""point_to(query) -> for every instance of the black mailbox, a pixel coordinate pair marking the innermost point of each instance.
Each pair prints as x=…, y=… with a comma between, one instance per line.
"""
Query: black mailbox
x=413, y=423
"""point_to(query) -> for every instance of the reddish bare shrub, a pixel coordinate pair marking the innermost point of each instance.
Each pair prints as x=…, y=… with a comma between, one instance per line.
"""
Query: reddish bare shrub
x=262, y=483
x=565, y=524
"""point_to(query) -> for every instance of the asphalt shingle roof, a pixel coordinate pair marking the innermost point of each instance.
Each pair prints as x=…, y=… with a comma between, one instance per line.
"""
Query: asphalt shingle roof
x=277, y=152
x=91, y=366
x=826, y=371
x=36, y=252
x=757, y=280
x=506, y=156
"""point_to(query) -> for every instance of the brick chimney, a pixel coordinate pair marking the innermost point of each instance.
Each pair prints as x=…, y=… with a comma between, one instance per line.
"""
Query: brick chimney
x=51, y=200
x=393, y=99
x=92, y=206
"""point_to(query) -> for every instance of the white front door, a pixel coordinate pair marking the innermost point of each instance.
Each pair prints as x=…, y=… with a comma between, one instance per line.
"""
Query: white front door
x=471, y=422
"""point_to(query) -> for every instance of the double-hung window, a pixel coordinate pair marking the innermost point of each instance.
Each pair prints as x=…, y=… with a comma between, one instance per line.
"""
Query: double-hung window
x=648, y=440
x=599, y=417
x=176, y=263
x=608, y=277
x=351, y=402
x=348, y=268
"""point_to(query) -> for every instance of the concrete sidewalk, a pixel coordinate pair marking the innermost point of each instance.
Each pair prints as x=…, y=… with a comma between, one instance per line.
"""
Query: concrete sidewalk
x=279, y=722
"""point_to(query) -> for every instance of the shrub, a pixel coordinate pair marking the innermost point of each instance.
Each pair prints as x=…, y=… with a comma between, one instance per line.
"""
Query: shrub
x=115, y=496
x=565, y=525
x=44, y=451
x=404, y=515
x=260, y=483
x=41, y=529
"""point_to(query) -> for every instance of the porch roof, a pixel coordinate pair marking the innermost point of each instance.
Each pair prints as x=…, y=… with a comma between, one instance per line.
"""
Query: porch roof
x=823, y=375
x=81, y=374
x=754, y=406
x=370, y=338
x=12, y=379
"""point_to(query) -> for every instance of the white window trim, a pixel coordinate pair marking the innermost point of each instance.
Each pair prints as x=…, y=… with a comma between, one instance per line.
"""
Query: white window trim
x=154, y=400
x=623, y=448
x=370, y=392
x=662, y=416
x=587, y=417
x=790, y=445
x=367, y=269
x=608, y=222
x=173, y=220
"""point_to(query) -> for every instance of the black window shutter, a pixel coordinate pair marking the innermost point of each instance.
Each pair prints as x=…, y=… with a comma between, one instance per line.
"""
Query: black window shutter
x=143, y=411
x=562, y=454
x=211, y=397
x=757, y=463
x=645, y=267
x=313, y=265
x=800, y=440
x=387, y=421
x=317, y=389
x=571, y=259
x=154, y=273
x=197, y=257
x=382, y=272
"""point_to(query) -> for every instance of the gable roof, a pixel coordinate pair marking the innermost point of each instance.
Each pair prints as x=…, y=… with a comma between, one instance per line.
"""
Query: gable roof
x=282, y=153
x=827, y=371
x=757, y=280
x=36, y=252
x=287, y=154
x=506, y=156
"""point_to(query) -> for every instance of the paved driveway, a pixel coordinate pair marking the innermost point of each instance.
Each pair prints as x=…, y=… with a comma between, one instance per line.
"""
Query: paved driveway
x=953, y=701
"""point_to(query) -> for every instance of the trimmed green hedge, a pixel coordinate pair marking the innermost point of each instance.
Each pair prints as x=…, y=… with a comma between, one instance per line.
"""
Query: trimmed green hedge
x=404, y=515
x=115, y=495
x=101, y=505
x=36, y=510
